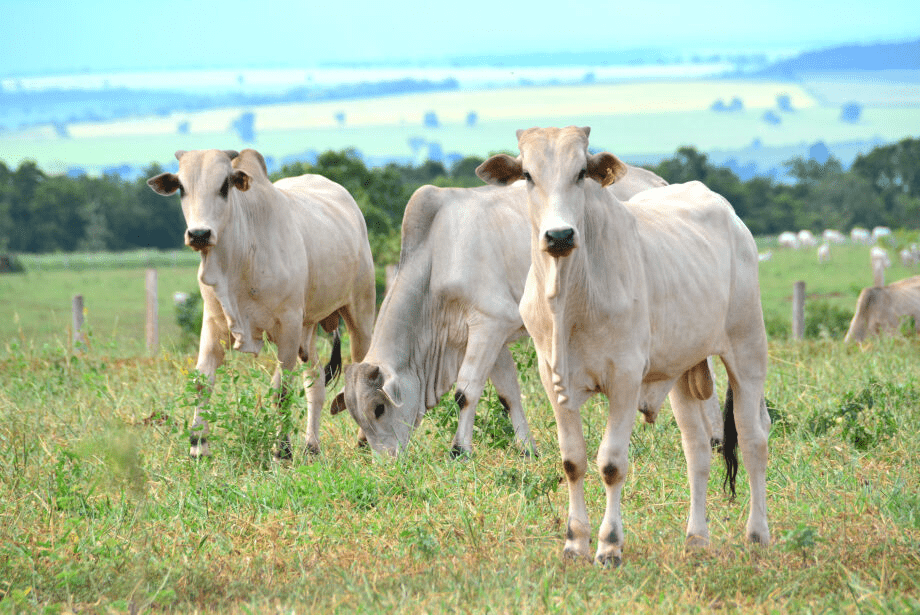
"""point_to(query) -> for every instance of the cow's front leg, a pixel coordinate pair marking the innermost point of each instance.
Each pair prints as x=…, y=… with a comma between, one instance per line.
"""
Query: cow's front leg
x=613, y=463
x=210, y=356
x=574, y=464
x=482, y=347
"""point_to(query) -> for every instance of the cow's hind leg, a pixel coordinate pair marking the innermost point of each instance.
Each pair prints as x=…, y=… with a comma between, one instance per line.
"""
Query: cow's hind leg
x=689, y=412
x=747, y=415
x=315, y=392
x=504, y=377
x=482, y=348
x=290, y=346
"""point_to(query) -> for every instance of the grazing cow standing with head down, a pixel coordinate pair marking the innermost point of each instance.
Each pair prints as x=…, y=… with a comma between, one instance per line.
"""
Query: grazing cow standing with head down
x=451, y=312
x=883, y=310
x=276, y=259
x=628, y=300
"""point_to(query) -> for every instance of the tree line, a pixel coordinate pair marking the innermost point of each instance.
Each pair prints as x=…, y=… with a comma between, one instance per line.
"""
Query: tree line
x=42, y=213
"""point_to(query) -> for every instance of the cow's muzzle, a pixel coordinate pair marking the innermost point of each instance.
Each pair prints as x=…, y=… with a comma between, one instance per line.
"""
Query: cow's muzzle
x=199, y=238
x=559, y=242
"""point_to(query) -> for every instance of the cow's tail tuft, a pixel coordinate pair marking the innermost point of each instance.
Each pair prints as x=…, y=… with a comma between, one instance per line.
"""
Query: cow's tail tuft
x=730, y=443
x=334, y=366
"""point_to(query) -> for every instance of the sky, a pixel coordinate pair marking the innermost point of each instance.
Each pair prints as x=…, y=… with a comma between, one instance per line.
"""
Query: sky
x=49, y=36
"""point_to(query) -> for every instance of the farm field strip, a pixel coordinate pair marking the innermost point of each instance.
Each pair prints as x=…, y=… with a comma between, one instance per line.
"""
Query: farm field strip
x=638, y=118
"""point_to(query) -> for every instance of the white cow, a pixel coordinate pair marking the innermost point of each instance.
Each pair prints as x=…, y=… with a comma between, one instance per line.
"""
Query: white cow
x=276, y=259
x=860, y=235
x=879, y=261
x=832, y=236
x=824, y=253
x=451, y=313
x=807, y=239
x=880, y=231
x=883, y=310
x=628, y=300
x=788, y=239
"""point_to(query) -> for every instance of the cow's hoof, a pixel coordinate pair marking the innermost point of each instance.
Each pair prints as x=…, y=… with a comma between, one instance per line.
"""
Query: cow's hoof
x=312, y=448
x=458, y=452
x=696, y=541
x=574, y=555
x=608, y=561
x=759, y=539
x=199, y=448
x=283, y=451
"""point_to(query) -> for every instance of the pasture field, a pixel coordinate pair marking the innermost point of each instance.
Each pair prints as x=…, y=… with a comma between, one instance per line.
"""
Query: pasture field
x=35, y=310
x=102, y=511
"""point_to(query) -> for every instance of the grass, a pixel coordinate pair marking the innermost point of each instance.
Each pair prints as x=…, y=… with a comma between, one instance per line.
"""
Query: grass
x=36, y=310
x=102, y=511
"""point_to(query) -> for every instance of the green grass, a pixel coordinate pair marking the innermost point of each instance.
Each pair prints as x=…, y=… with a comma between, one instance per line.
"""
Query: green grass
x=102, y=511
x=35, y=310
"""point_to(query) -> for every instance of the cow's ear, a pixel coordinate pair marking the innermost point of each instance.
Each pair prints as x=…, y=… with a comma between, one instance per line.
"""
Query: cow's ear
x=180, y=153
x=391, y=391
x=500, y=170
x=240, y=180
x=164, y=183
x=338, y=403
x=605, y=168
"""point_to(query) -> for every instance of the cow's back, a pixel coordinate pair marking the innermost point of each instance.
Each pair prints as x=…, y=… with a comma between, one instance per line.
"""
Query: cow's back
x=695, y=252
x=475, y=239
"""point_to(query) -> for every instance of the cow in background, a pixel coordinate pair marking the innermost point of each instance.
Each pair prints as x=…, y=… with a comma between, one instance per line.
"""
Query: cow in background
x=629, y=300
x=882, y=310
x=276, y=260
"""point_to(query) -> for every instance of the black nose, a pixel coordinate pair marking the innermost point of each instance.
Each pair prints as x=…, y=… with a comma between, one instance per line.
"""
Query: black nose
x=198, y=238
x=560, y=242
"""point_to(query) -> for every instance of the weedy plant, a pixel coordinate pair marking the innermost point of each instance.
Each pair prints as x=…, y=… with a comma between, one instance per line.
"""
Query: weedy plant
x=866, y=417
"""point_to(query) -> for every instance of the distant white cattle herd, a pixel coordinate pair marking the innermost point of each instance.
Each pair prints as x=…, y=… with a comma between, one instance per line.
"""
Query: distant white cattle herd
x=628, y=287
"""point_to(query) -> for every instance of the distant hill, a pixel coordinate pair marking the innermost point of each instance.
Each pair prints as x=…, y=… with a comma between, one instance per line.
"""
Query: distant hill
x=888, y=56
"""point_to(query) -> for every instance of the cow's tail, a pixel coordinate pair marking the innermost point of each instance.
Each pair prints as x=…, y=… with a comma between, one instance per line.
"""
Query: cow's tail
x=730, y=443
x=334, y=366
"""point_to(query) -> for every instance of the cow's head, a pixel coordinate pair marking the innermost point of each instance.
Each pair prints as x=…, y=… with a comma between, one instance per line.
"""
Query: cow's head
x=205, y=183
x=387, y=408
x=556, y=164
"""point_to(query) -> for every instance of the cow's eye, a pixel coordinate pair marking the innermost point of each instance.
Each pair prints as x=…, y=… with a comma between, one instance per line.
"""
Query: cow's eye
x=181, y=191
x=225, y=188
x=379, y=410
x=581, y=175
x=528, y=177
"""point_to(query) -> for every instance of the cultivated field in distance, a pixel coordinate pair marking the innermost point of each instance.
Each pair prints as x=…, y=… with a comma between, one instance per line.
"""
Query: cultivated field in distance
x=638, y=120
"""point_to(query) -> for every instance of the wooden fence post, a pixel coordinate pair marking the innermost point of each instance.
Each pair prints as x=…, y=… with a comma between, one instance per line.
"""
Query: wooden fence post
x=798, y=310
x=153, y=333
x=76, y=311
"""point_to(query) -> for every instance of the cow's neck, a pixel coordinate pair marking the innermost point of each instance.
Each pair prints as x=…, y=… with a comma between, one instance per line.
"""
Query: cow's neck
x=413, y=331
x=581, y=287
x=231, y=267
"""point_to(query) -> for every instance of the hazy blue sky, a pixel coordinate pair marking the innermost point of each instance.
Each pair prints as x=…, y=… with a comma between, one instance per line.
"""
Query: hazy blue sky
x=46, y=35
